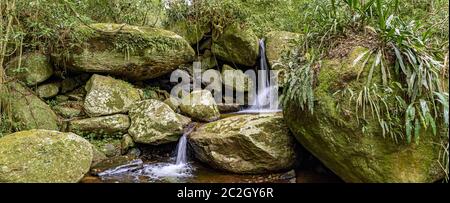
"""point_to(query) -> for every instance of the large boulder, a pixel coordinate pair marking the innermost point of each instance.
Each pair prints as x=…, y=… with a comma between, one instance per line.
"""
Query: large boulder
x=245, y=144
x=44, y=156
x=134, y=52
x=106, y=96
x=112, y=126
x=154, y=122
x=28, y=111
x=358, y=151
x=280, y=45
x=34, y=68
x=237, y=45
x=200, y=105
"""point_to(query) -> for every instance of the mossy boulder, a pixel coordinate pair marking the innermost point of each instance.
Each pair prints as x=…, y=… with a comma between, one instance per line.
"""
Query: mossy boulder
x=333, y=134
x=126, y=143
x=44, y=156
x=173, y=103
x=34, y=68
x=237, y=45
x=97, y=157
x=109, y=150
x=28, y=111
x=134, y=52
x=112, y=126
x=231, y=76
x=48, y=90
x=280, y=45
x=154, y=122
x=69, y=109
x=191, y=31
x=245, y=144
x=106, y=96
x=200, y=105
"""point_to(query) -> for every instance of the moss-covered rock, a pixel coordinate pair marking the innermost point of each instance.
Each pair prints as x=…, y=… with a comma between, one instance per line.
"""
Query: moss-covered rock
x=154, y=122
x=245, y=144
x=333, y=134
x=231, y=76
x=173, y=103
x=44, y=156
x=97, y=157
x=69, y=109
x=191, y=31
x=237, y=45
x=109, y=150
x=28, y=111
x=200, y=105
x=48, y=90
x=113, y=125
x=279, y=46
x=126, y=144
x=134, y=52
x=106, y=96
x=228, y=108
x=34, y=68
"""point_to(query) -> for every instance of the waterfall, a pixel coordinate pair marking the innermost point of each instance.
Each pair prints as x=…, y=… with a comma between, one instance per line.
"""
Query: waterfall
x=266, y=98
x=182, y=147
x=179, y=169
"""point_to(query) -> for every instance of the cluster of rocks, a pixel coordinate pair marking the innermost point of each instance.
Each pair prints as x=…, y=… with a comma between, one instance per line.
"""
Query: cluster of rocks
x=106, y=96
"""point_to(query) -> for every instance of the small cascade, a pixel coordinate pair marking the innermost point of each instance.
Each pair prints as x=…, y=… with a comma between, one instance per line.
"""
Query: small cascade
x=182, y=147
x=172, y=171
x=179, y=169
x=266, y=100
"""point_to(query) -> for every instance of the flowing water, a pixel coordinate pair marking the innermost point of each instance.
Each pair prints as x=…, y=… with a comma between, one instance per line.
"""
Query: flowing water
x=175, y=168
x=266, y=98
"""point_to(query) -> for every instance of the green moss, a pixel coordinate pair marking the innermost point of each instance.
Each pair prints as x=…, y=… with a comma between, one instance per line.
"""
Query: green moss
x=106, y=126
x=106, y=96
x=138, y=53
x=237, y=45
x=200, y=105
x=245, y=144
x=44, y=156
x=28, y=111
x=34, y=68
x=154, y=122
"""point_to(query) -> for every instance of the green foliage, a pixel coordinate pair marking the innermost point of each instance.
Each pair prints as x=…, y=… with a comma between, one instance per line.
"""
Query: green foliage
x=261, y=16
x=133, y=12
x=299, y=86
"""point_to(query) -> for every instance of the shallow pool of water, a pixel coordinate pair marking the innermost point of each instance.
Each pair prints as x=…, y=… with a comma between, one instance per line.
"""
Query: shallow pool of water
x=163, y=171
